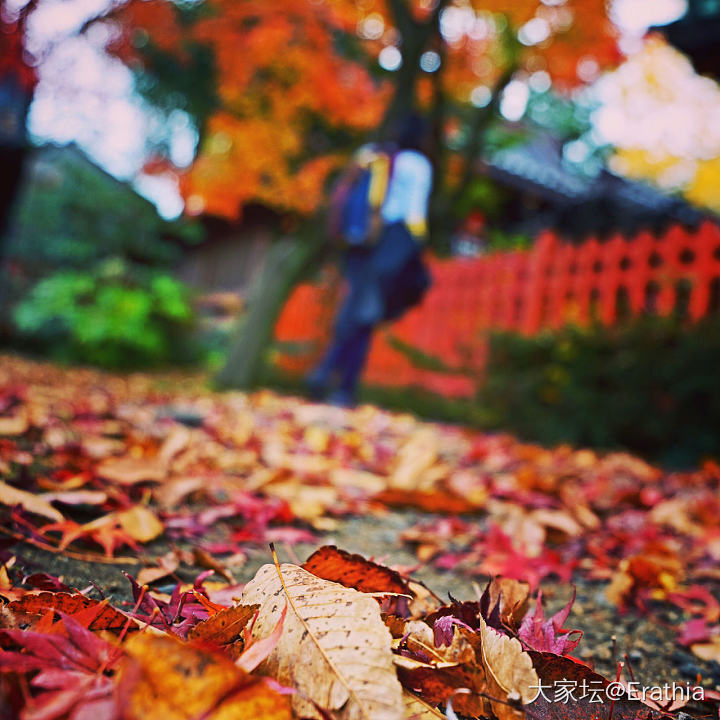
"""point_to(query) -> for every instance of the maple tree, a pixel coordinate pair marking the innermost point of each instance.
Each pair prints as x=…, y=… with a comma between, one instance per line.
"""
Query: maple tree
x=286, y=91
x=280, y=94
x=282, y=75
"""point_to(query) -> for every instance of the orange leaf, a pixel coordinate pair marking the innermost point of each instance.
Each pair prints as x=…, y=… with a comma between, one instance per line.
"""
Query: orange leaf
x=202, y=684
x=354, y=571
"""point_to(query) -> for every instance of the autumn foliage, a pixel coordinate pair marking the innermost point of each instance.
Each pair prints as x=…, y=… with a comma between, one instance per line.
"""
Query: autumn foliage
x=290, y=78
x=95, y=465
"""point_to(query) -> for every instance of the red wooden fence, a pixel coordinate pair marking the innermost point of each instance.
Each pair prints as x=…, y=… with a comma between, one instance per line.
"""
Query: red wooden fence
x=552, y=284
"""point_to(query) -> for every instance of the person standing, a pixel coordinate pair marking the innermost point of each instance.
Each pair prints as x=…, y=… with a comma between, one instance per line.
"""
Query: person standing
x=385, y=274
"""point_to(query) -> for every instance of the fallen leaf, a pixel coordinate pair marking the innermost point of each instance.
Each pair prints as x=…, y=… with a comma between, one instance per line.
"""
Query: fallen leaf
x=510, y=596
x=354, y=571
x=71, y=662
x=510, y=672
x=429, y=501
x=16, y=424
x=204, y=559
x=537, y=633
x=307, y=502
x=257, y=651
x=167, y=564
x=708, y=650
x=140, y=523
x=202, y=684
x=416, y=455
x=417, y=709
x=76, y=497
x=554, y=670
x=225, y=626
x=12, y=496
x=438, y=685
x=93, y=614
x=170, y=493
x=131, y=470
x=368, y=482
x=334, y=649
x=176, y=442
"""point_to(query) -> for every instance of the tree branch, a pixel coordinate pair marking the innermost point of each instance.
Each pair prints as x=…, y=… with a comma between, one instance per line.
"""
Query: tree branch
x=478, y=127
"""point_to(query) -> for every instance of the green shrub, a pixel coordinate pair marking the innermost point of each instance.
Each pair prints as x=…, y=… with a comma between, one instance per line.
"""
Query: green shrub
x=114, y=316
x=650, y=386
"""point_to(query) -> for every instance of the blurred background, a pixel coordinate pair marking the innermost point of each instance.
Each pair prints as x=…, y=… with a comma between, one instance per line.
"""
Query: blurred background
x=165, y=167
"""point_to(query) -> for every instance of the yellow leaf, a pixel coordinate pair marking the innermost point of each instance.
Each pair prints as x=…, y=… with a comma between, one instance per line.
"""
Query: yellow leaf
x=140, y=523
x=414, y=458
x=130, y=470
x=166, y=678
x=32, y=503
x=16, y=424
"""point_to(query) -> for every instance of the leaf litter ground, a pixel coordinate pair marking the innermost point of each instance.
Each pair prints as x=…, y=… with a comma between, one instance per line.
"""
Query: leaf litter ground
x=183, y=482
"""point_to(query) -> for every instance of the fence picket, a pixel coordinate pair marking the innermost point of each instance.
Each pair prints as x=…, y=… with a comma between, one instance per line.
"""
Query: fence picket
x=546, y=287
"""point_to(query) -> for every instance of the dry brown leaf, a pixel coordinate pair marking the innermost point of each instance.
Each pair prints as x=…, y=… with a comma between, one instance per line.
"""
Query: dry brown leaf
x=276, y=456
x=224, y=628
x=510, y=673
x=334, y=648
x=674, y=513
x=419, y=637
x=130, y=471
x=176, y=442
x=99, y=447
x=414, y=458
x=470, y=486
x=167, y=564
x=140, y=523
x=512, y=595
x=201, y=685
x=16, y=424
x=204, y=559
x=709, y=650
x=424, y=600
x=417, y=709
x=170, y=493
x=358, y=480
x=10, y=495
x=307, y=502
x=557, y=520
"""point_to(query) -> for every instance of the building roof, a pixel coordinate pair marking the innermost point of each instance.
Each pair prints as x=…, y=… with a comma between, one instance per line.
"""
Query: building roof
x=537, y=167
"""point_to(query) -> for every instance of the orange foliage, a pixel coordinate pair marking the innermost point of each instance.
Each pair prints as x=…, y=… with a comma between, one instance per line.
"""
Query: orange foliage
x=279, y=69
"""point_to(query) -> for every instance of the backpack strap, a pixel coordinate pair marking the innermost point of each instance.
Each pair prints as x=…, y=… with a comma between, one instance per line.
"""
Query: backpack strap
x=379, y=180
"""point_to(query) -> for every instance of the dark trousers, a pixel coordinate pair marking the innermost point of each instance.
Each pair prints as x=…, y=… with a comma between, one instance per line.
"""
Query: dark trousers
x=377, y=280
x=344, y=360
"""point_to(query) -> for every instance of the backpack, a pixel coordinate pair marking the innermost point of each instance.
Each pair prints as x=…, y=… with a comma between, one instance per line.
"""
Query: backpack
x=350, y=209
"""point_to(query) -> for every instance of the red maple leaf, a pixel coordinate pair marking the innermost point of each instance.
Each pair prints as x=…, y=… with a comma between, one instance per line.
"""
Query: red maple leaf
x=549, y=635
x=74, y=668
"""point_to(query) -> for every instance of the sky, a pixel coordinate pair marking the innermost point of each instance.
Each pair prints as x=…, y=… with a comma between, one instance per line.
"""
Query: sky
x=85, y=97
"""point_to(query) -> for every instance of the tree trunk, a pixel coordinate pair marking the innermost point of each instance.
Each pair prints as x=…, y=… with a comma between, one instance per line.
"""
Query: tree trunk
x=416, y=37
x=288, y=260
